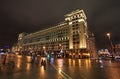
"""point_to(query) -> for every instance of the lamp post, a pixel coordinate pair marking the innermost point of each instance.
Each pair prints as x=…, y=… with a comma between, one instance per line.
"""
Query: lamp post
x=111, y=44
x=61, y=50
x=44, y=50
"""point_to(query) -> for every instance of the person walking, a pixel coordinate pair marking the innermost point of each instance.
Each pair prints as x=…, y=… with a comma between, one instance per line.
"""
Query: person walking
x=4, y=59
x=44, y=64
x=0, y=61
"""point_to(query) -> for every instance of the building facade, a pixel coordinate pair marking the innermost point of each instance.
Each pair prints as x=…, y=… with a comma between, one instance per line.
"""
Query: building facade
x=69, y=38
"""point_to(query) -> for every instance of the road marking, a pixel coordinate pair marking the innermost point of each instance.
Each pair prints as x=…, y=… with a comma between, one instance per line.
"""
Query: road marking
x=63, y=74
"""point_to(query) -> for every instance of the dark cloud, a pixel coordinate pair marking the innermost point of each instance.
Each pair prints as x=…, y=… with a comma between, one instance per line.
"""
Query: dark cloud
x=32, y=15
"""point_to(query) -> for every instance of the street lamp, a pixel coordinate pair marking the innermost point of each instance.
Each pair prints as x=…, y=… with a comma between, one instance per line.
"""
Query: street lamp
x=44, y=50
x=61, y=50
x=111, y=44
x=108, y=34
x=43, y=47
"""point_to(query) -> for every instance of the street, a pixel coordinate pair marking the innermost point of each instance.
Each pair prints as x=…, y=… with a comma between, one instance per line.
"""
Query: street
x=61, y=68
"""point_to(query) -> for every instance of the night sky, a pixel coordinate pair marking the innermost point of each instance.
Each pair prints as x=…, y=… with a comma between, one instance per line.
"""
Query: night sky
x=18, y=16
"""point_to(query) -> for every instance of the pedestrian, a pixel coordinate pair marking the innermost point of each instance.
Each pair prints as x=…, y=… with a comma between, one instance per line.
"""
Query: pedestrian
x=44, y=64
x=38, y=61
x=0, y=61
x=4, y=59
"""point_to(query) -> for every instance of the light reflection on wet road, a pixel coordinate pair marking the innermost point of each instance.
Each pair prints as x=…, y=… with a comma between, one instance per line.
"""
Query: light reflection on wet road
x=62, y=69
x=90, y=69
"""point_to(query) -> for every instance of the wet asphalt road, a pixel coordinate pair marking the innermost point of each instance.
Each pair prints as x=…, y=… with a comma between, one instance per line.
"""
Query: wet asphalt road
x=61, y=68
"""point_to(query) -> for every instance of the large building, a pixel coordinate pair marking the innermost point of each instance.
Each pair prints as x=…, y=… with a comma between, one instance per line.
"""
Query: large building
x=69, y=38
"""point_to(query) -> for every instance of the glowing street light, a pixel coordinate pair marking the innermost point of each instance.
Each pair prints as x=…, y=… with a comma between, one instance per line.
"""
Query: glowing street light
x=108, y=35
x=44, y=47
